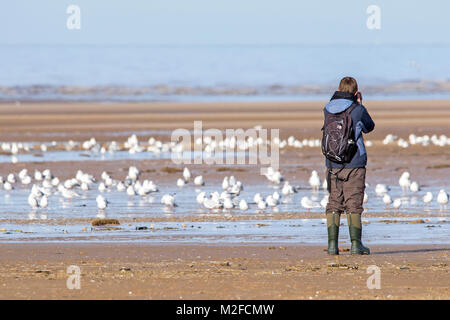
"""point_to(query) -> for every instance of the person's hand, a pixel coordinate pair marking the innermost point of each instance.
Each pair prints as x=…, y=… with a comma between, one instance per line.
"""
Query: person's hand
x=358, y=97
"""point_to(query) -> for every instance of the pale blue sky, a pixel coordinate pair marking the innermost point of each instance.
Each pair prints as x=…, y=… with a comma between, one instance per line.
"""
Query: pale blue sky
x=223, y=22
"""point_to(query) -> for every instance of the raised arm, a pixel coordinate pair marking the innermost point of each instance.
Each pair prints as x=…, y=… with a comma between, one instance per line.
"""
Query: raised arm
x=367, y=121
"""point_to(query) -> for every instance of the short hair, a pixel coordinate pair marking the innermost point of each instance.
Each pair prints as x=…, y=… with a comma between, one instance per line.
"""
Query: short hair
x=348, y=84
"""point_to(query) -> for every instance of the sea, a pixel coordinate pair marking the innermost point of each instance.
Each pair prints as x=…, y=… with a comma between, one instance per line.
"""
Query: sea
x=140, y=73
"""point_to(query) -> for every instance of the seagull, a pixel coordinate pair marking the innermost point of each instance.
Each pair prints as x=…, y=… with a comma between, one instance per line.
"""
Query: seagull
x=120, y=187
x=243, y=205
x=236, y=188
x=258, y=198
x=84, y=186
x=314, y=181
x=225, y=183
x=428, y=197
x=262, y=205
x=273, y=176
x=37, y=175
x=212, y=203
x=7, y=186
x=168, y=200
x=308, y=203
x=102, y=187
x=198, y=181
x=381, y=189
x=181, y=182
x=201, y=197
x=287, y=189
x=130, y=191
x=324, y=201
x=68, y=194
x=228, y=204
x=397, y=203
x=387, y=199
x=186, y=174
x=366, y=198
x=271, y=202
x=102, y=203
x=55, y=181
x=32, y=201
x=26, y=180
x=11, y=178
x=404, y=181
x=414, y=187
x=133, y=173
x=442, y=198
x=276, y=196
x=43, y=203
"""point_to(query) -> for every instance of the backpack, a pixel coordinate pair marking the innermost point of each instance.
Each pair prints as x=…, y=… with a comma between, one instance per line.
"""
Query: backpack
x=338, y=142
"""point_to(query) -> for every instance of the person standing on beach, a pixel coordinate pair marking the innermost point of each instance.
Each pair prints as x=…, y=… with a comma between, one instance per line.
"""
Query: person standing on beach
x=346, y=160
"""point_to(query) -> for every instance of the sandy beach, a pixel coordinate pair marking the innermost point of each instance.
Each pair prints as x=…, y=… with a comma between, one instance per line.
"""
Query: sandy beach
x=135, y=271
x=33, y=269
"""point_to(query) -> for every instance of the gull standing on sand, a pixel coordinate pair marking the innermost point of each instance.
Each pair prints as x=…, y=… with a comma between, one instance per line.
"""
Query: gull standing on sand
x=120, y=187
x=186, y=174
x=11, y=178
x=258, y=198
x=404, y=181
x=201, y=197
x=366, y=198
x=428, y=197
x=43, y=203
x=442, y=198
x=381, y=189
x=325, y=184
x=228, y=204
x=324, y=201
x=32, y=201
x=68, y=194
x=8, y=186
x=102, y=187
x=130, y=191
x=397, y=203
x=181, y=182
x=314, y=181
x=271, y=202
x=212, y=203
x=387, y=199
x=414, y=187
x=198, y=181
x=308, y=203
x=168, y=200
x=243, y=205
x=102, y=203
x=287, y=189
x=262, y=205
x=225, y=183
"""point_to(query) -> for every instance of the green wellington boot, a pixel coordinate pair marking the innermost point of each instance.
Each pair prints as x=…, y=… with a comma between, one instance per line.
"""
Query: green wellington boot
x=333, y=222
x=355, y=230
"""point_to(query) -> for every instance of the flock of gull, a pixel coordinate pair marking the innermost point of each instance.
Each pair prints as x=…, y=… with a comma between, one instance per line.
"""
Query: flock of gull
x=45, y=184
x=207, y=143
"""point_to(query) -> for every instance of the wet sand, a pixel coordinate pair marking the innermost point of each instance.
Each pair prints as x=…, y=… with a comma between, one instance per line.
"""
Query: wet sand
x=136, y=271
x=22, y=121
x=37, y=271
